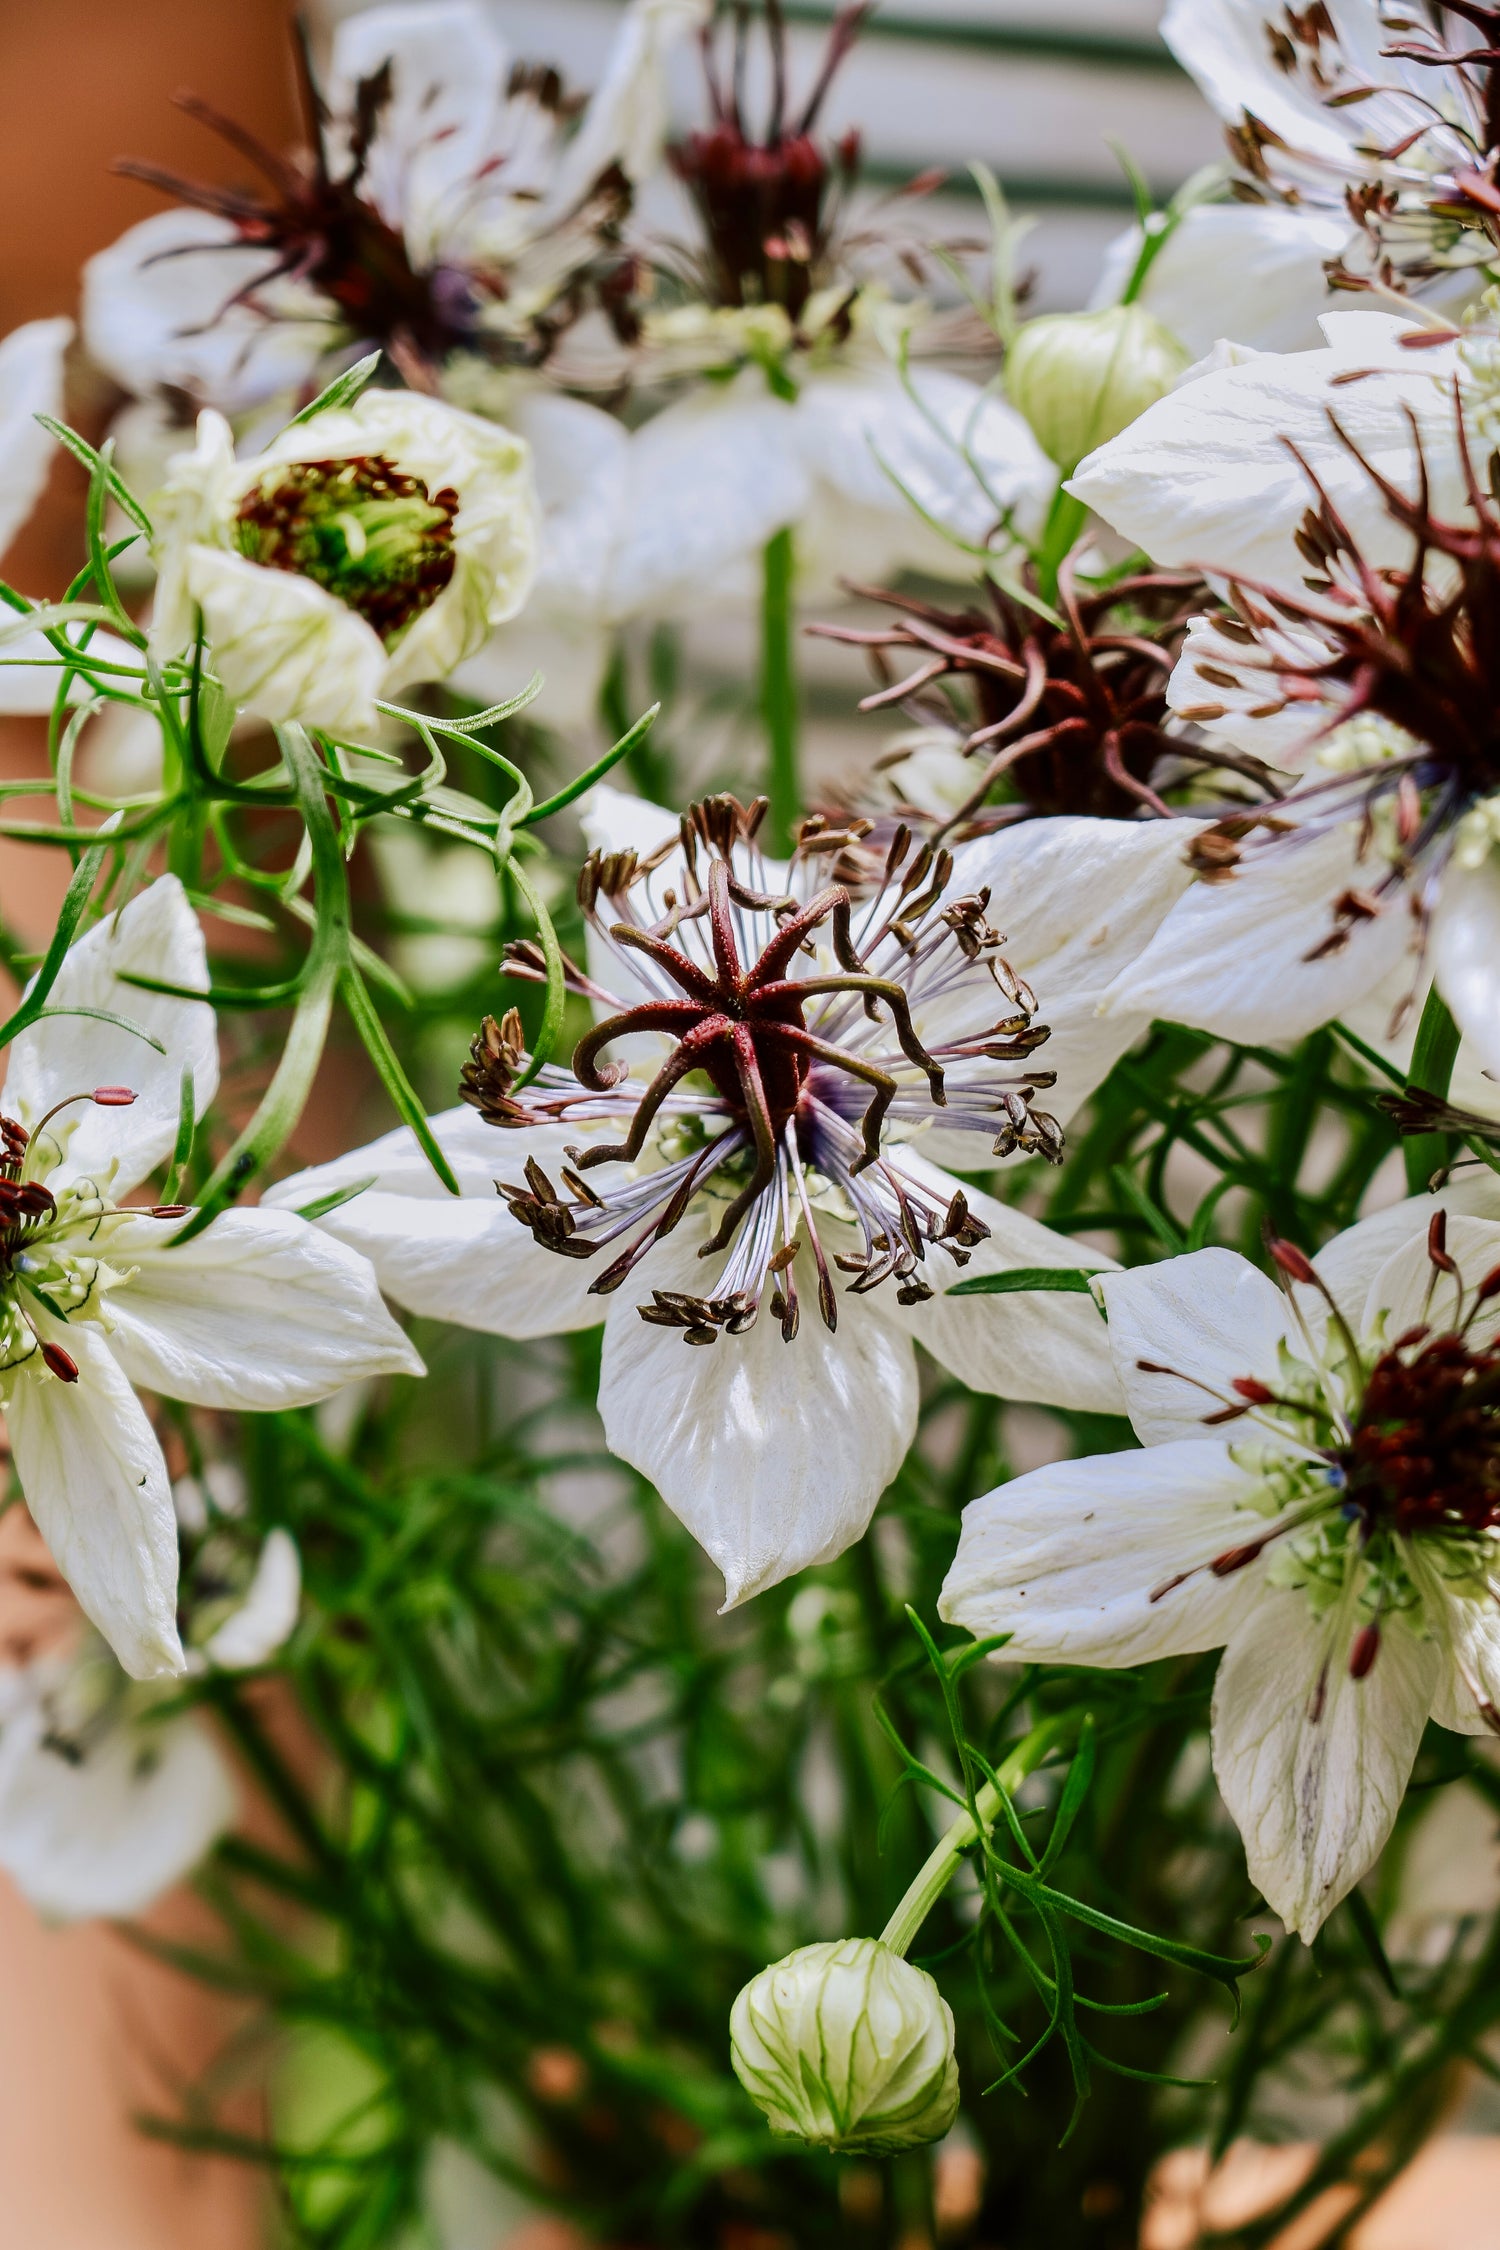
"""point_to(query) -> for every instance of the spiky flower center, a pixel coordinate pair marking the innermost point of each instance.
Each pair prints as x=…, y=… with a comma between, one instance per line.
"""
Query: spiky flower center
x=52, y=1245
x=1058, y=716
x=793, y=1065
x=362, y=528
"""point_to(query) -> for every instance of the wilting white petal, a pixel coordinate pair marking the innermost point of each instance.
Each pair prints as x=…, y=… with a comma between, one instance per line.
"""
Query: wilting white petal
x=264, y=1621
x=1231, y=957
x=105, y=1833
x=1211, y=1314
x=31, y=383
x=1311, y=1763
x=1206, y=476
x=259, y=1311
x=1251, y=271
x=773, y=1454
x=1465, y=945
x=457, y=1258
x=156, y=935
x=1068, y=1559
x=1052, y=1349
x=96, y=1483
x=159, y=312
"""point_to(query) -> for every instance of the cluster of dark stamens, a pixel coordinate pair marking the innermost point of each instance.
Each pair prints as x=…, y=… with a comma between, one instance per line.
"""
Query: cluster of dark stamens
x=1462, y=119
x=1418, y=647
x=1064, y=716
x=299, y=519
x=777, y=1077
x=320, y=227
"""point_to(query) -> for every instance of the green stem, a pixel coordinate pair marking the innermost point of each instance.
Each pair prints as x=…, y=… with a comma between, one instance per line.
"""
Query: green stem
x=778, y=690
x=1065, y=520
x=1432, y=1060
x=932, y=1878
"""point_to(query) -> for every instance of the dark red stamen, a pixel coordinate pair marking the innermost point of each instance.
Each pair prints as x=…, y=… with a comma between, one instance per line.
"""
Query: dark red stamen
x=62, y=1366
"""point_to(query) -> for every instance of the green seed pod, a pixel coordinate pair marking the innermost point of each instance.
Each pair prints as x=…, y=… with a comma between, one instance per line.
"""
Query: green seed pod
x=1081, y=378
x=847, y=2045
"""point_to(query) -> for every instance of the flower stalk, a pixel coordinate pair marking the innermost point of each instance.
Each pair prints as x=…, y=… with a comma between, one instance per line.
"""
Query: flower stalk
x=779, y=701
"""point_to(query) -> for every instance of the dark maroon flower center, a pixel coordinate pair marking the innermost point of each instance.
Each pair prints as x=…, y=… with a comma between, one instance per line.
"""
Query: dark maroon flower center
x=1424, y=1454
x=361, y=528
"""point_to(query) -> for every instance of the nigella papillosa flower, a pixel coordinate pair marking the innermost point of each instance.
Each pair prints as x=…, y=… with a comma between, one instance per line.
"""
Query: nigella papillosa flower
x=1318, y=1494
x=750, y=1170
x=1361, y=663
x=1369, y=111
x=455, y=204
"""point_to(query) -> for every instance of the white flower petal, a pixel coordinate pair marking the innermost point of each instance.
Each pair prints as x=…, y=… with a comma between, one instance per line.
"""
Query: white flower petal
x=1469, y=1632
x=1311, y=1763
x=627, y=117
x=260, y=1311
x=1050, y=1348
x=158, y=311
x=284, y=647
x=31, y=383
x=156, y=935
x=1067, y=1559
x=107, y=1833
x=1411, y=1293
x=1206, y=475
x=30, y=671
x=96, y=1483
x=710, y=479
x=1253, y=271
x=1209, y=1313
x=1465, y=956
x=266, y=1617
x=448, y=73
x=1227, y=47
x=1248, y=718
x=1231, y=957
x=461, y=1259
x=773, y=1454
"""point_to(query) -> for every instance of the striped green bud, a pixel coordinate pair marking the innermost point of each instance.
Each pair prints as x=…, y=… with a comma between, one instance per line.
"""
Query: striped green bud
x=1081, y=378
x=848, y=2046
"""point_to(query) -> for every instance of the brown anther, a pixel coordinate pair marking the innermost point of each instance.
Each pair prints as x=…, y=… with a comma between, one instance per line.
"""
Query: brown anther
x=60, y=1363
x=1294, y=1263
x=1363, y=1651
x=114, y=1097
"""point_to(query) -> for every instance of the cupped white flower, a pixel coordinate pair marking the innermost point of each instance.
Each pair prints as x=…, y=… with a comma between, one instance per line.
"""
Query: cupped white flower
x=258, y=1310
x=848, y=2046
x=745, y=1197
x=1319, y=1492
x=31, y=383
x=373, y=546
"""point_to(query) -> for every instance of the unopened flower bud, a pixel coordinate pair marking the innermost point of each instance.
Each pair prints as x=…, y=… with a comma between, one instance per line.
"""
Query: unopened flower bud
x=847, y=2045
x=1081, y=378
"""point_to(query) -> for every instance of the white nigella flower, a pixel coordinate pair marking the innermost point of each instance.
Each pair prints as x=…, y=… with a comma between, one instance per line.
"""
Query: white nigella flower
x=749, y=1176
x=1319, y=1493
x=107, y=1800
x=375, y=546
x=454, y=204
x=258, y=1311
x=1366, y=115
x=1356, y=650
